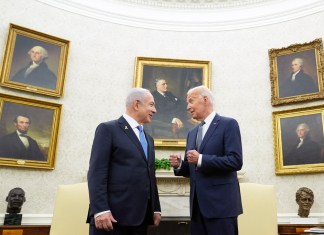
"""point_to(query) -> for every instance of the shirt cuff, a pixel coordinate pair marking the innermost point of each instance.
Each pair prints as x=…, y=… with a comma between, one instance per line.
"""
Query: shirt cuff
x=100, y=213
x=199, y=160
x=178, y=166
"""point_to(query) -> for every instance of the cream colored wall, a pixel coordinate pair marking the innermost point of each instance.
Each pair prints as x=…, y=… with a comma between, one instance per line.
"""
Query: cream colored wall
x=101, y=69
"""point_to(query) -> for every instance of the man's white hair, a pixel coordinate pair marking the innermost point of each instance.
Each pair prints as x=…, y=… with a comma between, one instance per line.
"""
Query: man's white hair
x=304, y=126
x=42, y=50
x=203, y=91
x=300, y=61
x=136, y=94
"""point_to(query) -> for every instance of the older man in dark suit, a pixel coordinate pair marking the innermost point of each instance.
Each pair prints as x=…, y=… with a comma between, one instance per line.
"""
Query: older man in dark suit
x=305, y=150
x=37, y=73
x=171, y=118
x=213, y=157
x=299, y=83
x=122, y=185
x=18, y=144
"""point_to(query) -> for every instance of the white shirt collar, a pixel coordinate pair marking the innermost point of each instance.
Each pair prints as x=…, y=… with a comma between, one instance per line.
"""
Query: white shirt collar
x=293, y=77
x=210, y=118
x=19, y=133
x=131, y=121
x=34, y=65
x=162, y=93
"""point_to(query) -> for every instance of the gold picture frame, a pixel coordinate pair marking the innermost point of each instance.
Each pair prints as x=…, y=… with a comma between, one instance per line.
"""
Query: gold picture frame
x=180, y=75
x=28, y=132
x=304, y=80
x=34, y=62
x=299, y=140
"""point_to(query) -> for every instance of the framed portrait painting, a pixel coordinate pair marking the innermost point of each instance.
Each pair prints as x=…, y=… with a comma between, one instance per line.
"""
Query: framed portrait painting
x=299, y=140
x=34, y=62
x=169, y=81
x=28, y=132
x=296, y=73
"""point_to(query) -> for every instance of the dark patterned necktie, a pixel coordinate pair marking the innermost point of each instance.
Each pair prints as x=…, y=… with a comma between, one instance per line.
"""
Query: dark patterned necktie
x=199, y=135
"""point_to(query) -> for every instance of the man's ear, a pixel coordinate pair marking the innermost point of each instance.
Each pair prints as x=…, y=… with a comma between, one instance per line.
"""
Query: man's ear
x=7, y=198
x=136, y=104
x=205, y=99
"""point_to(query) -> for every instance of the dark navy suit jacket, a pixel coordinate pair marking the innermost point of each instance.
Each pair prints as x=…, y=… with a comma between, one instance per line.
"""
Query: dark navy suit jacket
x=120, y=178
x=41, y=76
x=215, y=181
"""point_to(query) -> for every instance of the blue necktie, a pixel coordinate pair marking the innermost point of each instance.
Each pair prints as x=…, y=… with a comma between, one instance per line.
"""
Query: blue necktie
x=142, y=139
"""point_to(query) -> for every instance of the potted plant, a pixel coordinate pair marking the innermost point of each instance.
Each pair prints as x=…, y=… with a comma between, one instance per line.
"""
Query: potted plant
x=162, y=164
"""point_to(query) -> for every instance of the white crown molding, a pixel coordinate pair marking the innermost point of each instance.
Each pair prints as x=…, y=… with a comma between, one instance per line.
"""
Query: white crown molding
x=175, y=19
x=195, y=3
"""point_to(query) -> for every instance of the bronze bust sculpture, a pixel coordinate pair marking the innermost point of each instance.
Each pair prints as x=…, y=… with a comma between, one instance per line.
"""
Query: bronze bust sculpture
x=16, y=198
x=305, y=200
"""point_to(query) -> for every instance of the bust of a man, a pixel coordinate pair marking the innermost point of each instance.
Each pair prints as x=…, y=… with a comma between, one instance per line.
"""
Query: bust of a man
x=15, y=199
x=305, y=200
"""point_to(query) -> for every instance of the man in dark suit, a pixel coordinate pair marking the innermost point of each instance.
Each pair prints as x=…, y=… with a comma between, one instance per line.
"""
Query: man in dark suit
x=171, y=119
x=36, y=73
x=299, y=83
x=18, y=144
x=169, y=109
x=213, y=157
x=121, y=178
x=305, y=151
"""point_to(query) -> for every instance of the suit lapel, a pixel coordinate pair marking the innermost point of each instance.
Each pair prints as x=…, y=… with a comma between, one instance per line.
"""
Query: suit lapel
x=19, y=144
x=192, y=138
x=210, y=131
x=123, y=124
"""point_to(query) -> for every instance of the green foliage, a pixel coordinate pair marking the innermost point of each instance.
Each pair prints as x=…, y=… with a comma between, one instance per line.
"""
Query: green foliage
x=162, y=164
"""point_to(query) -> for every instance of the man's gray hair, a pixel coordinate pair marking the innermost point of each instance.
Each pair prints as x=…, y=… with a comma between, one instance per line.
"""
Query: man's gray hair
x=299, y=61
x=156, y=80
x=136, y=94
x=204, y=91
x=303, y=125
x=41, y=49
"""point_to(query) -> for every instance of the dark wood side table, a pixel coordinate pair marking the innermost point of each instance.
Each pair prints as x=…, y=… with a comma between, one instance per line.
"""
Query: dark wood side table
x=297, y=229
x=25, y=230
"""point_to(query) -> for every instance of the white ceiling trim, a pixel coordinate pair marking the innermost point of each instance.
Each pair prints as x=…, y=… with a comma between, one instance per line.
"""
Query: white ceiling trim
x=195, y=3
x=212, y=19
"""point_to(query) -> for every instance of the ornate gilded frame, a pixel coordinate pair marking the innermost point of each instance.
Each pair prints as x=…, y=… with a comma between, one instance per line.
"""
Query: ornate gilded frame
x=289, y=158
x=16, y=60
x=282, y=91
x=178, y=73
x=44, y=128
